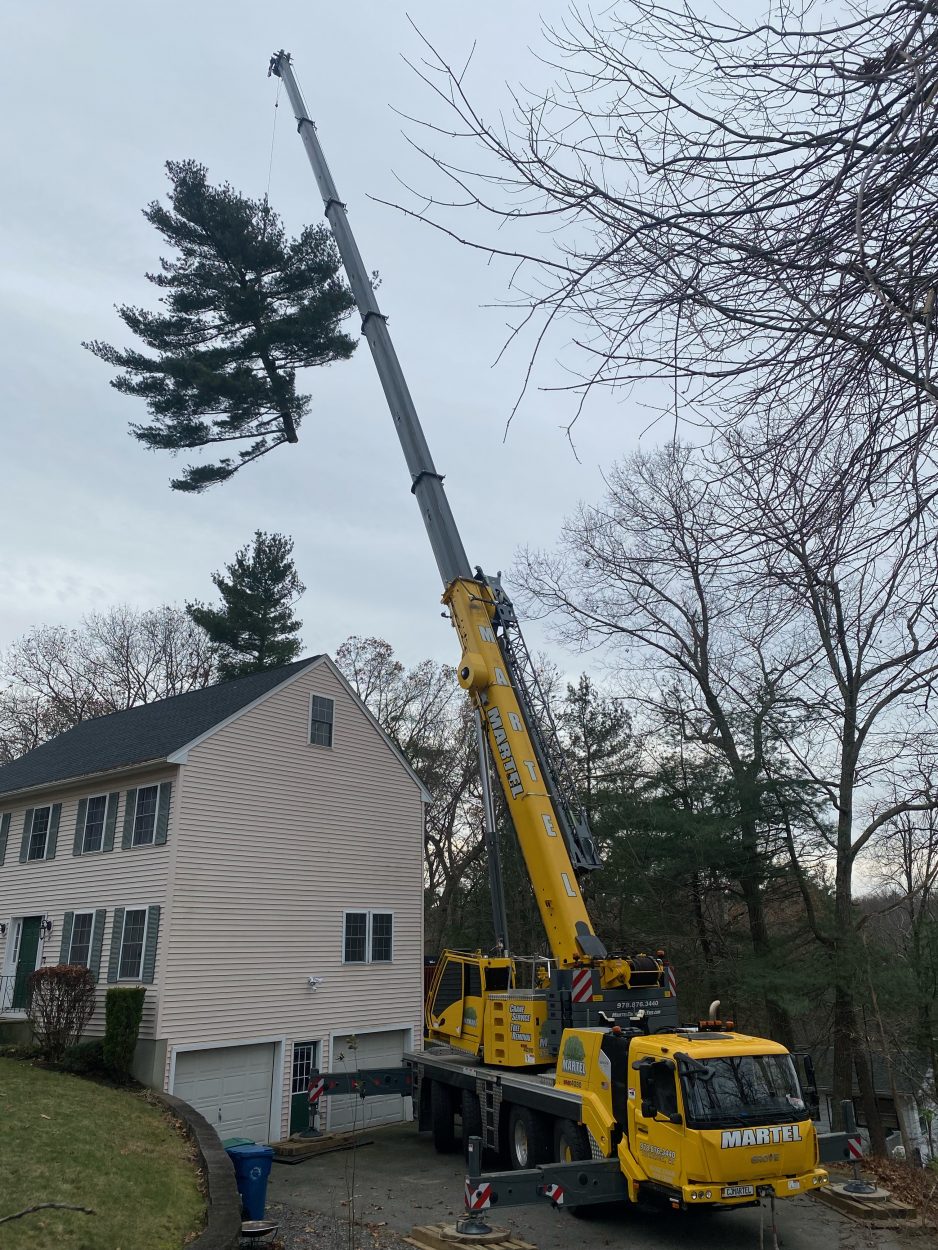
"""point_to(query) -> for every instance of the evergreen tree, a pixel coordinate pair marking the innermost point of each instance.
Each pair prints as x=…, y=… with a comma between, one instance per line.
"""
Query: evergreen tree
x=254, y=627
x=243, y=309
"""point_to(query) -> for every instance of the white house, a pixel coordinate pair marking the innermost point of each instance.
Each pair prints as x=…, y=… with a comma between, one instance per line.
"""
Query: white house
x=251, y=852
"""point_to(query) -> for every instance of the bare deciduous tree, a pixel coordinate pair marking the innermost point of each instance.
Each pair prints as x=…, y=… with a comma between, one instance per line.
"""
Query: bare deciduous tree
x=53, y=678
x=739, y=207
x=799, y=641
x=646, y=572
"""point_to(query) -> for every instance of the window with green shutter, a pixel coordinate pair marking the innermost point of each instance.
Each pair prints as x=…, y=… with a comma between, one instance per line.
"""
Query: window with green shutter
x=40, y=832
x=79, y=947
x=146, y=815
x=4, y=835
x=92, y=838
x=133, y=936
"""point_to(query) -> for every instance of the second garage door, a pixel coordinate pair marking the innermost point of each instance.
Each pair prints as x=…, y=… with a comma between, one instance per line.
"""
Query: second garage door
x=231, y=1086
x=373, y=1050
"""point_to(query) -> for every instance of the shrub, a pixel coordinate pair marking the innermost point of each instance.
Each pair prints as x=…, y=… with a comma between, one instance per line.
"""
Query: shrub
x=61, y=1002
x=16, y=1050
x=85, y=1058
x=123, y=1013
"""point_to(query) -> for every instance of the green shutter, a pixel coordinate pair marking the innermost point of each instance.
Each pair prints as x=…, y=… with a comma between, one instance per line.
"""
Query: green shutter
x=149, y=946
x=27, y=830
x=4, y=834
x=80, y=826
x=67, y=922
x=117, y=932
x=110, y=820
x=97, y=941
x=53, y=837
x=162, y=813
x=130, y=810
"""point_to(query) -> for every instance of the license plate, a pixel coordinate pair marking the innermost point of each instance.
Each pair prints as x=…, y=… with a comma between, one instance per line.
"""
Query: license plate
x=738, y=1191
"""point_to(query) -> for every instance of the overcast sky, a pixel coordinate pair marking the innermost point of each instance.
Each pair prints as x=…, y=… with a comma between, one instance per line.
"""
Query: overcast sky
x=96, y=97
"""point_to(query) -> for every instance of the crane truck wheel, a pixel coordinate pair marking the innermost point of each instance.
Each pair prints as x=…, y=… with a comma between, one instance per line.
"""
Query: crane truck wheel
x=571, y=1144
x=528, y=1138
x=442, y=1118
x=471, y=1119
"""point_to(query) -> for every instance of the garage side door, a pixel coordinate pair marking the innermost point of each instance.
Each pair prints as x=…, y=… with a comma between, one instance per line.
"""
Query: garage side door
x=374, y=1050
x=231, y=1086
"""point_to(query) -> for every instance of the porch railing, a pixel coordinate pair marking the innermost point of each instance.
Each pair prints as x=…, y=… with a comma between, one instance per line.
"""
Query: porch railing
x=13, y=993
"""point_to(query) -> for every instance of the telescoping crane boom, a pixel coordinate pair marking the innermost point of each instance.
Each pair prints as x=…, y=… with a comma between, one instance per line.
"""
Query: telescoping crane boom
x=648, y=1107
x=495, y=666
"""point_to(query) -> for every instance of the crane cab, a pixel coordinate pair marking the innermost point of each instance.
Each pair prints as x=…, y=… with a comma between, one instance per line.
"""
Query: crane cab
x=475, y=1005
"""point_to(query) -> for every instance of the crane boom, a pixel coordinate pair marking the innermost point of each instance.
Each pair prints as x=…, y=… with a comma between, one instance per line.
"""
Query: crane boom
x=495, y=668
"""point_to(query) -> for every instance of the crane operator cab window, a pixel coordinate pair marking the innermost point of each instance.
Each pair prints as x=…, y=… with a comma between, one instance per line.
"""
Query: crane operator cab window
x=658, y=1086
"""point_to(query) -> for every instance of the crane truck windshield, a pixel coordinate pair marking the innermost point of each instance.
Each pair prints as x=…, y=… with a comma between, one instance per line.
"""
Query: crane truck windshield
x=740, y=1089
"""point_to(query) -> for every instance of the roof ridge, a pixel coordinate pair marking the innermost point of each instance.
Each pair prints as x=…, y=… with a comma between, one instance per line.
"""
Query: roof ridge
x=141, y=733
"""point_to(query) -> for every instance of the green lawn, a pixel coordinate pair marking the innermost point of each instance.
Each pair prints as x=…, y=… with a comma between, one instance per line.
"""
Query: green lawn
x=63, y=1139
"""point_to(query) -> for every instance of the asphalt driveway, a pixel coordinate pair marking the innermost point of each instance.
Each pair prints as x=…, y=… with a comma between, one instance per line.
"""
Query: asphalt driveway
x=399, y=1181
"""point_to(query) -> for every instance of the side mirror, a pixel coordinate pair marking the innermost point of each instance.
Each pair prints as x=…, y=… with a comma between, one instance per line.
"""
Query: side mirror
x=676, y=1118
x=648, y=1109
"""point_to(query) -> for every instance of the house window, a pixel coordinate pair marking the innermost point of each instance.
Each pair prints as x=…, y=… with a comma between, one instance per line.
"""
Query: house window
x=93, y=836
x=39, y=833
x=133, y=936
x=368, y=937
x=321, y=717
x=381, y=937
x=79, y=949
x=145, y=815
x=305, y=1061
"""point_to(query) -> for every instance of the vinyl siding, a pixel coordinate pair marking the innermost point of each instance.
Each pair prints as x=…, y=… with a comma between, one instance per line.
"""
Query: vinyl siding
x=119, y=878
x=279, y=838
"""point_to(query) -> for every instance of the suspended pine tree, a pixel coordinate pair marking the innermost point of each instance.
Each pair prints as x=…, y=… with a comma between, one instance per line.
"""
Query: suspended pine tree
x=244, y=308
x=253, y=627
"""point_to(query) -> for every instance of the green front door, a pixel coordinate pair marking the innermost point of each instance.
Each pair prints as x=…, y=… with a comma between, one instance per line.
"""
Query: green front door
x=25, y=960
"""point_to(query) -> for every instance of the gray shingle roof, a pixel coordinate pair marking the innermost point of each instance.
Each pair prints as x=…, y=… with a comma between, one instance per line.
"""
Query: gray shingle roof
x=149, y=732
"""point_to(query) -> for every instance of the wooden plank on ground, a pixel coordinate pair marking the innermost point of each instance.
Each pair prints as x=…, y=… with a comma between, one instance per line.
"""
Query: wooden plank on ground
x=875, y=1212
x=445, y=1237
x=296, y=1149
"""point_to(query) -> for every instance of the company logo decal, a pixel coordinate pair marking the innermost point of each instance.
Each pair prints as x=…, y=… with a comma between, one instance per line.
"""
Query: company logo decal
x=574, y=1056
x=500, y=737
x=733, y=1137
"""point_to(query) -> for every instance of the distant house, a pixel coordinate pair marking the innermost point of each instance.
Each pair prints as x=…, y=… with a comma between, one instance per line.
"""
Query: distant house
x=252, y=853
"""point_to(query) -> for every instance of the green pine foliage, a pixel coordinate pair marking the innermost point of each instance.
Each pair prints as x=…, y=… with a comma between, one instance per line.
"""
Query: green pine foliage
x=123, y=1011
x=254, y=627
x=243, y=308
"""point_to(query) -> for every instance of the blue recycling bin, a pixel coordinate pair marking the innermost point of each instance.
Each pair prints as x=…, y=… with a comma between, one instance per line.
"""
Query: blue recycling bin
x=252, y=1166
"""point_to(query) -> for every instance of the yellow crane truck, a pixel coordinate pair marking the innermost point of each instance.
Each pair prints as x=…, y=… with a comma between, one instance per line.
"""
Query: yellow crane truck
x=574, y=1068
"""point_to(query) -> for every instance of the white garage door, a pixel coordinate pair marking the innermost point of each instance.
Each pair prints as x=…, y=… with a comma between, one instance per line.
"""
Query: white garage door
x=231, y=1086
x=373, y=1050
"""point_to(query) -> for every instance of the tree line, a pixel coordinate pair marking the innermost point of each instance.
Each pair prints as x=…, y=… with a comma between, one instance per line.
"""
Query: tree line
x=55, y=677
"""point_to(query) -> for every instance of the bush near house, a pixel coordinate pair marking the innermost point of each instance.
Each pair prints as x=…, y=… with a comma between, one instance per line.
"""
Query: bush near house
x=123, y=1011
x=61, y=1002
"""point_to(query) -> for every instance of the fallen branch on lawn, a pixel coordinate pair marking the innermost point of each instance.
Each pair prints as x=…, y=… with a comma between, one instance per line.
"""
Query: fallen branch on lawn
x=46, y=1206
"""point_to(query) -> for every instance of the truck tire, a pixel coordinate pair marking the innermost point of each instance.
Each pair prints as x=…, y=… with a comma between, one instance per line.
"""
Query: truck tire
x=442, y=1117
x=471, y=1118
x=571, y=1145
x=571, y=1142
x=528, y=1138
